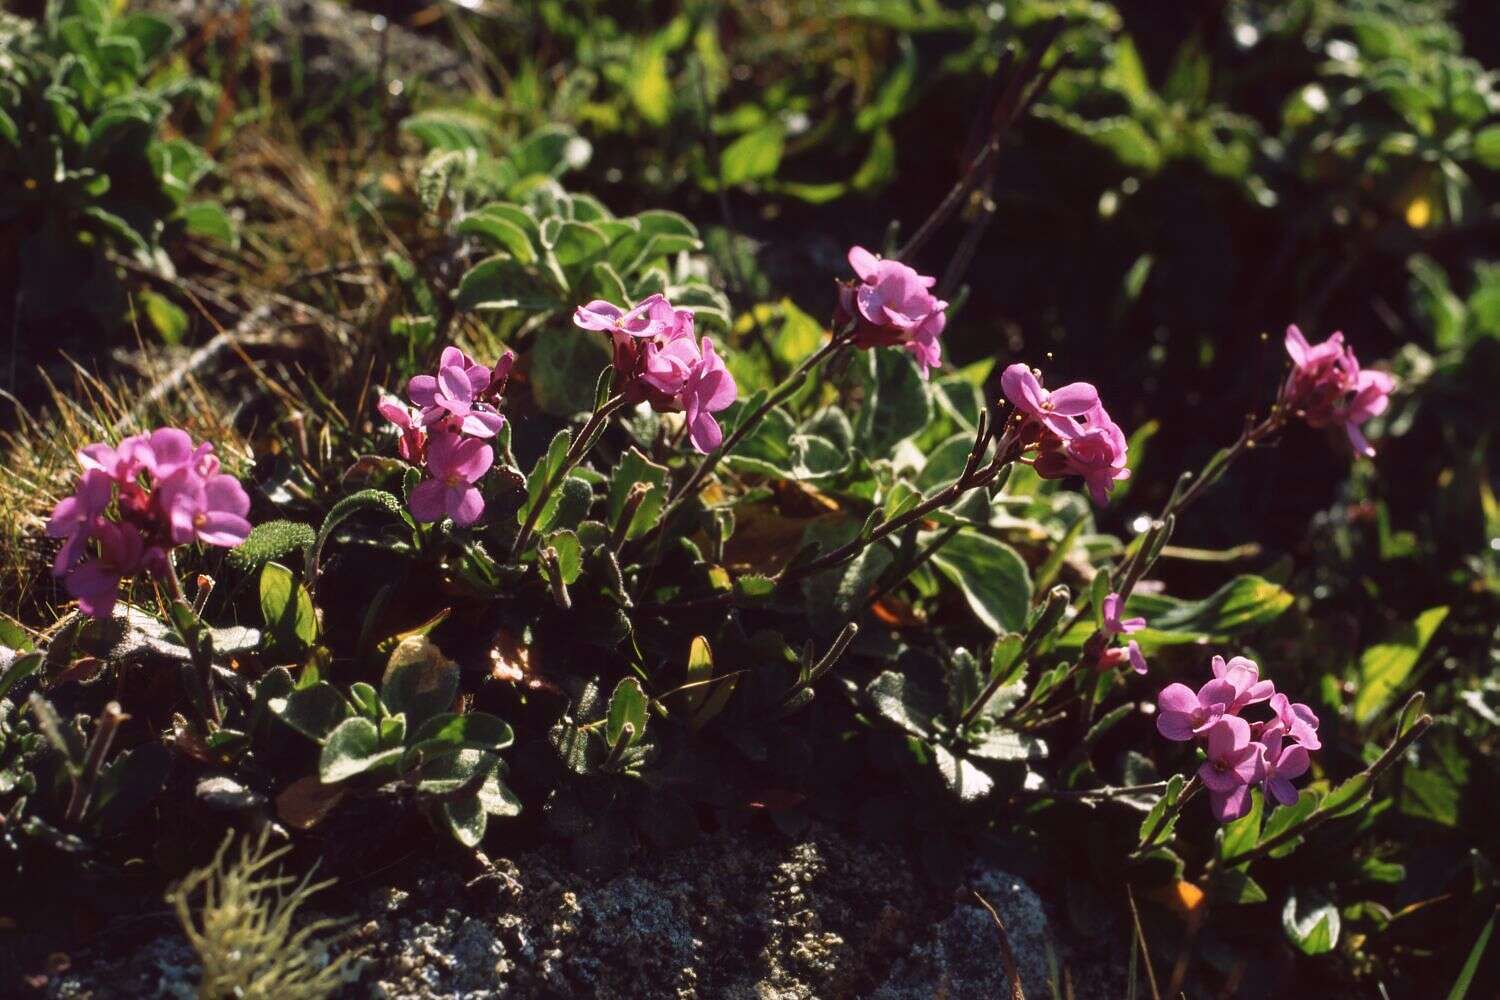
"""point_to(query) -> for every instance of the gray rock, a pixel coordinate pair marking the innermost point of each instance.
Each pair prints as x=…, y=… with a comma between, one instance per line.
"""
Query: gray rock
x=747, y=916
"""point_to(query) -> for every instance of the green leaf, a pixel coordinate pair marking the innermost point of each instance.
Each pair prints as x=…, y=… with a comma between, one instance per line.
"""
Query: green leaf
x=351, y=750
x=1168, y=799
x=575, y=244
x=1241, y=603
x=314, y=711
x=497, y=799
x=465, y=818
x=17, y=668
x=1487, y=149
x=419, y=681
x=1311, y=922
x=634, y=467
x=1434, y=791
x=565, y=365
x=546, y=470
x=166, y=316
x=287, y=608
x=627, y=706
x=449, y=129
x=899, y=700
x=1235, y=888
x=1384, y=667
x=648, y=85
x=1244, y=833
x=1007, y=745
x=502, y=283
x=438, y=173
x=755, y=155
x=551, y=150
x=454, y=774
x=993, y=579
x=569, y=553
x=961, y=776
x=211, y=221
x=496, y=225
x=843, y=590
x=271, y=540
x=1284, y=818
x=1466, y=975
x=896, y=405
x=470, y=731
x=343, y=510
x=890, y=100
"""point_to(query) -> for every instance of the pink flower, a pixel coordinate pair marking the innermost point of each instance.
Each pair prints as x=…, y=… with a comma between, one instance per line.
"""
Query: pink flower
x=1096, y=451
x=890, y=305
x=135, y=501
x=1055, y=409
x=1232, y=759
x=455, y=464
x=172, y=449
x=1243, y=674
x=659, y=361
x=1280, y=763
x=76, y=517
x=645, y=320
x=1327, y=387
x=413, y=443
x=95, y=584
x=924, y=345
x=1182, y=714
x=1116, y=656
x=123, y=463
x=709, y=388
x=890, y=293
x=1231, y=805
x=1372, y=391
x=209, y=510
x=1114, y=606
x=668, y=361
x=1296, y=720
x=454, y=395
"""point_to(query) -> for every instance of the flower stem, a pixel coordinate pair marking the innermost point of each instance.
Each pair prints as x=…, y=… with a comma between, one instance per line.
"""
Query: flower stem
x=1321, y=815
x=1148, y=842
x=788, y=385
x=579, y=448
x=83, y=782
x=189, y=627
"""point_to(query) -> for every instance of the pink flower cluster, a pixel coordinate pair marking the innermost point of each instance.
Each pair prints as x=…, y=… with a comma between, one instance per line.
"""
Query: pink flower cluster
x=891, y=305
x=1240, y=754
x=1327, y=387
x=1116, y=656
x=454, y=411
x=135, y=502
x=1070, y=430
x=659, y=360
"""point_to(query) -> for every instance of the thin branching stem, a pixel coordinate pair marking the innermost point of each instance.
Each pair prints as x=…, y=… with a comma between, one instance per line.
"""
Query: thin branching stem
x=789, y=385
x=1321, y=815
x=576, y=451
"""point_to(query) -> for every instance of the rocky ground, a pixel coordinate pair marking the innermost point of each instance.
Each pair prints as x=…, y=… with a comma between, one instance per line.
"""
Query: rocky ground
x=749, y=915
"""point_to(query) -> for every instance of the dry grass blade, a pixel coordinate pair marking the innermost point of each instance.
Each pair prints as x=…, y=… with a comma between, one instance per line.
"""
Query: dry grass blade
x=1140, y=935
x=1007, y=956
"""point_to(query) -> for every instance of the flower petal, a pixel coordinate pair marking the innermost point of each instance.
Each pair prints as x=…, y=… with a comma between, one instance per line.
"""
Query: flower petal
x=464, y=505
x=427, y=501
x=864, y=263
x=1074, y=399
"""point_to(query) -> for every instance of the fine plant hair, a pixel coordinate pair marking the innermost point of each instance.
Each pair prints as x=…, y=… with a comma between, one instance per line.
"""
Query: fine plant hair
x=243, y=926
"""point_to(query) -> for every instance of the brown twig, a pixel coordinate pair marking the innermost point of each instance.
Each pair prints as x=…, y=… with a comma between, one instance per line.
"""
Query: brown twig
x=1007, y=955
